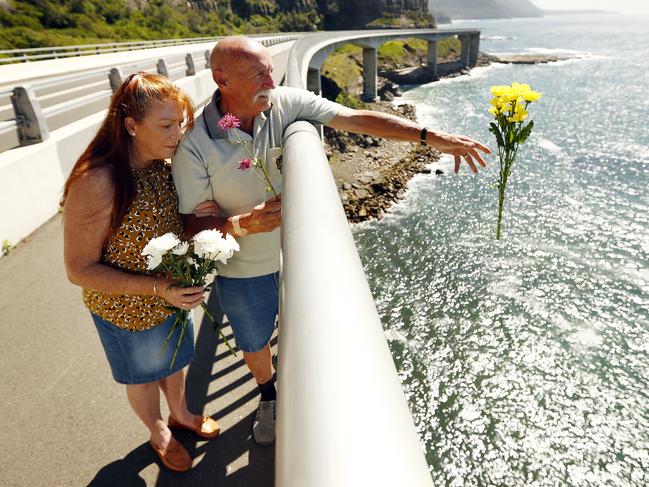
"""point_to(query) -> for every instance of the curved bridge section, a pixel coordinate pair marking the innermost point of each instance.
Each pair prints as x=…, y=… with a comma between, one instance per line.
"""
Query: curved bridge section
x=309, y=52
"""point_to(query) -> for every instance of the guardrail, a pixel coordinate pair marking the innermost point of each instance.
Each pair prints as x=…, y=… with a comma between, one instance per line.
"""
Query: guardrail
x=43, y=53
x=28, y=113
x=360, y=432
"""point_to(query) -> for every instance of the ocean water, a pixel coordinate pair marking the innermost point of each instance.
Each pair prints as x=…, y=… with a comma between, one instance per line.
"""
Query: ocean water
x=526, y=361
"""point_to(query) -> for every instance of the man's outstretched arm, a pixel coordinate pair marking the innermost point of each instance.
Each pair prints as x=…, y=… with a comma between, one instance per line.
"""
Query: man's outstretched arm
x=392, y=127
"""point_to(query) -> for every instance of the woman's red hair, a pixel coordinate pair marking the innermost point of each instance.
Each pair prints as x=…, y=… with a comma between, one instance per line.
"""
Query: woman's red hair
x=112, y=144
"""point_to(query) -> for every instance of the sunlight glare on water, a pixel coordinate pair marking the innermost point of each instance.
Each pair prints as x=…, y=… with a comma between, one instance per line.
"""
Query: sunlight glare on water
x=525, y=361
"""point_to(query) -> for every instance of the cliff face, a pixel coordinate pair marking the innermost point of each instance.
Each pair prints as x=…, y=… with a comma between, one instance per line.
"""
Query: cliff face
x=359, y=13
x=335, y=14
x=484, y=9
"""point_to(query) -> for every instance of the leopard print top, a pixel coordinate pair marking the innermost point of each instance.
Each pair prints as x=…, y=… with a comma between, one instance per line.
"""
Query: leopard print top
x=153, y=213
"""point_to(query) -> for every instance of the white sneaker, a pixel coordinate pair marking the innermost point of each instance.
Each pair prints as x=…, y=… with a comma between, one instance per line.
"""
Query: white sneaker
x=263, y=427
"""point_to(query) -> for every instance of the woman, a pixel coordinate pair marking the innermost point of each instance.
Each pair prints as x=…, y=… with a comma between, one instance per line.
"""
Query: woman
x=120, y=195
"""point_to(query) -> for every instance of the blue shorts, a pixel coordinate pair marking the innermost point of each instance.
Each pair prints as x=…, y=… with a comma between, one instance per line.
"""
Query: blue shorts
x=251, y=305
x=134, y=356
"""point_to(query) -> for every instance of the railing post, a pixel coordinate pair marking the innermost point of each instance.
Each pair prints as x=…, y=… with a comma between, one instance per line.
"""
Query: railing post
x=208, y=56
x=32, y=127
x=115, y=77
x=162, y=68
x=191, y=67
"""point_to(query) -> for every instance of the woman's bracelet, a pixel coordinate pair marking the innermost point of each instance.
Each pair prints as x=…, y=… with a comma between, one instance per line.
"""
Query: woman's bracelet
x=155, y=287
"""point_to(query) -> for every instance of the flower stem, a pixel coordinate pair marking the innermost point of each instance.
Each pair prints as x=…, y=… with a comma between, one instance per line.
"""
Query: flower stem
x=183, y=327
x=173, y=328
x=258, y=163
x=217, y=329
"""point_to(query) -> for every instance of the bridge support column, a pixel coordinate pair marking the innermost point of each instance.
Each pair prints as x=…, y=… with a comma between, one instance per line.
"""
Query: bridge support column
x=474, y=50
x=369, y=74
x=431, y=59
x=313, y=82
x=466, y=49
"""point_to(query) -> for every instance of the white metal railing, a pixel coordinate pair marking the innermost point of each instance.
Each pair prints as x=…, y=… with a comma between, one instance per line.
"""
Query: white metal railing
x=343, y=420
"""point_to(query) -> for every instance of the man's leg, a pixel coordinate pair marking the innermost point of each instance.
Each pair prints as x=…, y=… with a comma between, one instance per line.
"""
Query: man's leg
x=251, y=306
x=259, y=364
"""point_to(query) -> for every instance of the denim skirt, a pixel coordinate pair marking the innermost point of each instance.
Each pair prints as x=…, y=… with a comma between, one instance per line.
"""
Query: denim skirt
x=134, y=356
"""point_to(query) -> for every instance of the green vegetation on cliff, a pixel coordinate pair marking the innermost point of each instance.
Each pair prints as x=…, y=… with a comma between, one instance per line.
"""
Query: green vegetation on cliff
x=36, y=23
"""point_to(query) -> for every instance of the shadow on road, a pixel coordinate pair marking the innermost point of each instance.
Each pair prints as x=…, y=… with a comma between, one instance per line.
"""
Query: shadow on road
x=212, y=459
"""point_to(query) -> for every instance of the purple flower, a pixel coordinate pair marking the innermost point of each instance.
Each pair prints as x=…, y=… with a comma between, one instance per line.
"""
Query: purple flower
x=228, y=121
x=245, y=164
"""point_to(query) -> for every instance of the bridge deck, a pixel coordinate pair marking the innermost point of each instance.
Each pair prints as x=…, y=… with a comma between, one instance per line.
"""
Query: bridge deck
x=66, y=422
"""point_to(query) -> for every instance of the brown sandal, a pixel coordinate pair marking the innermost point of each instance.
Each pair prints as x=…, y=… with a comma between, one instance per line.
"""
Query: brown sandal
x=212, y=426
x=174, y=457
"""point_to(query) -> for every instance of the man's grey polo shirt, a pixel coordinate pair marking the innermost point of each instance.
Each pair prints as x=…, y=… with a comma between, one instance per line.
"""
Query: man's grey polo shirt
x=205, y=167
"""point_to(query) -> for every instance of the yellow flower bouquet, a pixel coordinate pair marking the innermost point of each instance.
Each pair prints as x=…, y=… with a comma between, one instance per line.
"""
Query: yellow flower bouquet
x=509, y=108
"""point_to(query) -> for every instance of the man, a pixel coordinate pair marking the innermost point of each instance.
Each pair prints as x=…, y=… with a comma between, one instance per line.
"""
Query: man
x=205, y=167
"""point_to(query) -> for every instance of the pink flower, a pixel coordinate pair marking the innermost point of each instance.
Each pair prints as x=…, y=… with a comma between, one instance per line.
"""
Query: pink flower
x=245, y=164
x=228, y=121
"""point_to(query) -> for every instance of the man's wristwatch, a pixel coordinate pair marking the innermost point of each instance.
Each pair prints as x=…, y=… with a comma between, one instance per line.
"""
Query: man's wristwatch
x=240, y=232
x=422, y=136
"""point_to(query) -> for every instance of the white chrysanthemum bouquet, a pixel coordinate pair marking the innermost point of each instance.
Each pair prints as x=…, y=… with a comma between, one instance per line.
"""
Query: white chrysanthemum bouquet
x=190, y=264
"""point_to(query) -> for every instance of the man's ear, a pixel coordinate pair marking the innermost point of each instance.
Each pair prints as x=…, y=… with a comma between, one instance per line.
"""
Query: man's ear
x=219, y=77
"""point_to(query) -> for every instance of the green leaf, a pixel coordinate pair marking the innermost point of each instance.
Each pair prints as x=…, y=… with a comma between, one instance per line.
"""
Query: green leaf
x=493, y=128
x=525, y=132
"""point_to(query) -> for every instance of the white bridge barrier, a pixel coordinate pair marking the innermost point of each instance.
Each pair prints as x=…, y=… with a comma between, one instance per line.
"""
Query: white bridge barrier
x=343, y=420
x=32, y=177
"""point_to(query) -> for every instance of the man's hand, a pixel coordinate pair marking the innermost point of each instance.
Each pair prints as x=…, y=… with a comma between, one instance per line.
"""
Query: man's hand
x=263, y=218
x=459, y=146
x=207, y=208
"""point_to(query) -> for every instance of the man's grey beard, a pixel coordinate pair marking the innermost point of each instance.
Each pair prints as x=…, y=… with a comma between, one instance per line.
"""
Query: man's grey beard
x=263, y=92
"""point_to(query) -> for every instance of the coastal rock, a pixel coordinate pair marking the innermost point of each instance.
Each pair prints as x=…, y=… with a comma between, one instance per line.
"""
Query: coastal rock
x=366, y=179
x=530, y=58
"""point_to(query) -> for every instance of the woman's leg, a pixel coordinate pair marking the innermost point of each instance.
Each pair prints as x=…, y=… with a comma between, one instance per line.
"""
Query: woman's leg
x=145, y=401
x=174, y=390
x=173, y=387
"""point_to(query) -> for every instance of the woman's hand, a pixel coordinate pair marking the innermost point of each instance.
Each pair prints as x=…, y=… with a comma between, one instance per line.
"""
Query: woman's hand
x=207, y=208
x=181, y=297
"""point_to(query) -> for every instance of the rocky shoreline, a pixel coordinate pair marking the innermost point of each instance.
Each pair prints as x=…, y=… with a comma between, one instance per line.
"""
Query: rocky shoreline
x=372, y=174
